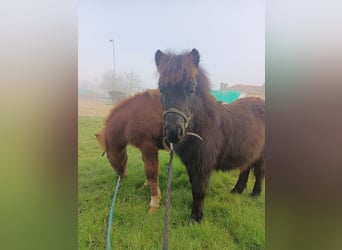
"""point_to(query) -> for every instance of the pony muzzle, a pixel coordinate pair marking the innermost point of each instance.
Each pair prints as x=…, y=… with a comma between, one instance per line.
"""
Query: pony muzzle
x=174, y=133
x=120, y=170
x=175, y=123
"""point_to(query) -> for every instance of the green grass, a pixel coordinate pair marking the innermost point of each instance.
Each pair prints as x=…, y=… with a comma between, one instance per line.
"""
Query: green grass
x=230, y=221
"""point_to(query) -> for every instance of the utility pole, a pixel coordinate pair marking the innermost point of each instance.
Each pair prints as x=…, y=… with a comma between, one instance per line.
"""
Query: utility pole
x=112, y=41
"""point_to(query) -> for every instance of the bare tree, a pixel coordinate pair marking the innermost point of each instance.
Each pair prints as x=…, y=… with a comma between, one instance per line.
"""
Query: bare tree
x=134, y=82
x=126, y=82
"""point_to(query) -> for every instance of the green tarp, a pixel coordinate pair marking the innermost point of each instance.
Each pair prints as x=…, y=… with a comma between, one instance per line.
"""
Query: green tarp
x=226, y=96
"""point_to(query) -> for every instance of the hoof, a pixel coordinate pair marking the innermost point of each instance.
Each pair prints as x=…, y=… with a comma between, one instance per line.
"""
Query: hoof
x=255, y=194
x=155, y=202
x=196, y=218
x=194, y=222
x=236, y=191
x=152, y=210
x=146, y=184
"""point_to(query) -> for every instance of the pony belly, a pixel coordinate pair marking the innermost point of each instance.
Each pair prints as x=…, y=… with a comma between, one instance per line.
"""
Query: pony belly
x=227, y=165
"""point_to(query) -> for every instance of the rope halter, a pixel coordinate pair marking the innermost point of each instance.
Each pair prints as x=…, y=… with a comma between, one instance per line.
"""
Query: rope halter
x=179, y=112
x=186, y=120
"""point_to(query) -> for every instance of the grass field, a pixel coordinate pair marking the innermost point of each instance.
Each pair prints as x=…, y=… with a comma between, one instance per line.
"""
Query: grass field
x=231, y=221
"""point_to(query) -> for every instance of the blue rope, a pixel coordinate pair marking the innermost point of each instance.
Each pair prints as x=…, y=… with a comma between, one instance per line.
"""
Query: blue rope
x=110, y=219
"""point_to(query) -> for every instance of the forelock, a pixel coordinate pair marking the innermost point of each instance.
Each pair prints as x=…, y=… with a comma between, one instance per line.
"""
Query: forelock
x=177, y=69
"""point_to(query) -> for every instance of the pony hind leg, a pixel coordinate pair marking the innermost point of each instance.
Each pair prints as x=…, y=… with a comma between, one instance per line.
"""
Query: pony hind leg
x=151, y=165
x=242, y=182
x=259, y=176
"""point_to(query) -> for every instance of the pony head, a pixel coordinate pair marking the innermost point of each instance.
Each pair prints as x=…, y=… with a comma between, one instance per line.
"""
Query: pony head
x=117, y=157
x=177, y=84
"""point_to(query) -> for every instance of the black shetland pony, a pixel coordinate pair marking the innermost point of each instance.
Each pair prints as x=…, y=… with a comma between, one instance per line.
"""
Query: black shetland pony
x=233, y=135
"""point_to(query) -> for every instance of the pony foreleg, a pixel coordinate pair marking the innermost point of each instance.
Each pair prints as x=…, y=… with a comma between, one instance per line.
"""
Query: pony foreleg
x=150, y=157
x=199, y=185
x=153, y=178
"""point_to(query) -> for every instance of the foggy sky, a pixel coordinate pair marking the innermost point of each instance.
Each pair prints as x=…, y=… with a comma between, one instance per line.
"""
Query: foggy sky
x=230, y=36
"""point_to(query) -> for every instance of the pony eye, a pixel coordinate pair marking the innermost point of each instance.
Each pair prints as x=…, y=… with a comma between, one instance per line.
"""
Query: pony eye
x=191, y=90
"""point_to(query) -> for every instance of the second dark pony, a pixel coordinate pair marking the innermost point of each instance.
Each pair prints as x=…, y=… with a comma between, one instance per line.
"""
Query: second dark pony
x=233, y=135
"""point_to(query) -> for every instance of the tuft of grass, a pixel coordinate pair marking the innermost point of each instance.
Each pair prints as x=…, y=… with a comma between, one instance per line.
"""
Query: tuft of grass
x=230, y=221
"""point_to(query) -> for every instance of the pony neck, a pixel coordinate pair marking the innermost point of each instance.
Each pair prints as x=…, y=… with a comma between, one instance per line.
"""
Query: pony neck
x=205, y=102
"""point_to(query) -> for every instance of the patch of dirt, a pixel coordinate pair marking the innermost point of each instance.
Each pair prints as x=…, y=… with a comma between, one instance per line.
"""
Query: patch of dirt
x=93, y=108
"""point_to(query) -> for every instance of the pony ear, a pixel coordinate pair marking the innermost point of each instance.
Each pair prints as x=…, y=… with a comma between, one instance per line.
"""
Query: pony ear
x=158, y=56
x=195, y=57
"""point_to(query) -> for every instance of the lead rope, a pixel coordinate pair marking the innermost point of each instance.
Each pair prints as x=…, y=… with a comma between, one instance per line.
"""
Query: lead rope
x=167, y=148
x=168, y=200
x=110, y=219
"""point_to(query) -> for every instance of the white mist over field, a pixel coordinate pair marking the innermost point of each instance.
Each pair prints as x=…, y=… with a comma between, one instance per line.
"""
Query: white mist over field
x=230, y=36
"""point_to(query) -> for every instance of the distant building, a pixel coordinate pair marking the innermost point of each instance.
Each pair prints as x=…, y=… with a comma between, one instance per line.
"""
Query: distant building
x=86, y=93
x=246, y=90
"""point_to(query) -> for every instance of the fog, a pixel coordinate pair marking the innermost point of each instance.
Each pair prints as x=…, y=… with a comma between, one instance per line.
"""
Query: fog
x=230, y=36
